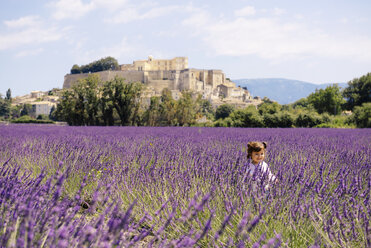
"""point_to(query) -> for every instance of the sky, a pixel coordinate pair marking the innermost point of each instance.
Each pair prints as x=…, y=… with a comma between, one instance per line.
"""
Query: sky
x=317, y=41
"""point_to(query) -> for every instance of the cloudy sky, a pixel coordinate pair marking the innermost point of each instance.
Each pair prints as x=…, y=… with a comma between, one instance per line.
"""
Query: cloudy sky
x=318, y=41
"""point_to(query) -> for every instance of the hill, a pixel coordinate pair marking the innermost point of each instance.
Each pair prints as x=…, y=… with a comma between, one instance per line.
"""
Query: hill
x=282, y=90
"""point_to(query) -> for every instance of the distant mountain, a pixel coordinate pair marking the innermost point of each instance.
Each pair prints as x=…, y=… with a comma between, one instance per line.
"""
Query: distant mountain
x=282, y=90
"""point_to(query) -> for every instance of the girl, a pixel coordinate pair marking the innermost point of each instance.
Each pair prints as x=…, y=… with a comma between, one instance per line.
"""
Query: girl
x=256, y=154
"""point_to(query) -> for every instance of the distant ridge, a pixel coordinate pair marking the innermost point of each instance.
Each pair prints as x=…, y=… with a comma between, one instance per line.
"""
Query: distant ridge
x=282, y=90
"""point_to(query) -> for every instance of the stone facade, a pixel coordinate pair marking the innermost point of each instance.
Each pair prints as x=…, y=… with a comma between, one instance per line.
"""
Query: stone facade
x=43, y=108
x=175, y=75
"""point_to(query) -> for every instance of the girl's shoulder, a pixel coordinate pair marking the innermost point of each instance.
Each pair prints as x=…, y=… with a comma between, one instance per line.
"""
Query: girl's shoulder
x=264, y=165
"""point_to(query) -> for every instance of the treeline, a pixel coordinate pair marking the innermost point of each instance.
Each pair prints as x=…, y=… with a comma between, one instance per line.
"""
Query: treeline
x=108, y=63
x=329, y=107
x=116, y=102
x=92, y=102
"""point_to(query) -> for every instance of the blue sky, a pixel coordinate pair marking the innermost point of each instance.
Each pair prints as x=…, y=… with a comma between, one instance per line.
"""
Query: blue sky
x=318, y=41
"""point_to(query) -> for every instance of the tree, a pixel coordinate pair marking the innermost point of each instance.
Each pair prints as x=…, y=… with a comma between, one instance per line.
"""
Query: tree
x=205, y=108
x=168, y=109
x=247, y=117
x=223, y=111
x=8, y=96
x=269, y=107
x=106, y=105
x=4, y=107
x=362, y=115
x=152, y=115
x=75, y=69
x=125, y=98
x=358, y=91
x=27, y=110
x=327, y=100
x=108, y=63
x=308, y=119
x=185, y=111
x=66, y=108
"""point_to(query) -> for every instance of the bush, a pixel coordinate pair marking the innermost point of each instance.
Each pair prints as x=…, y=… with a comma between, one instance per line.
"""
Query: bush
x=308, y=119
x=362, y=115
x=223, y=111
x=28, y=119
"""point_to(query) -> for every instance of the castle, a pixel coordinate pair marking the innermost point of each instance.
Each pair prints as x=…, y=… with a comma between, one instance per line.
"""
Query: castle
x=174, y=74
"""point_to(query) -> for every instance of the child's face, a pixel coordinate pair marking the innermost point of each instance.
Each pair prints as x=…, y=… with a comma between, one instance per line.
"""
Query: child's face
x=257, y=157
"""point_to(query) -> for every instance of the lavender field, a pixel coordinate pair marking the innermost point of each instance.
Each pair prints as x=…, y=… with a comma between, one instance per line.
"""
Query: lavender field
x=182, y=187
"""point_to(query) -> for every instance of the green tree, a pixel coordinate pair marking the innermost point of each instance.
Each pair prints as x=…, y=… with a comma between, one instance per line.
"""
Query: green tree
x=106, y=105
x=168, y=109
x=358, y=91
x=152, y=115
x=4, y=107
x=185, y=111
x=269, y=107
x=75, y=69
x=27, y=109
x=362, y=115
x=15, y=111
x=8, y=96
x=125, y=98
x=205, y=108
x=223, y=111
x=247, y=117
x=108, y=63
x=66, y=108
x=327, y=100
x=308, y=119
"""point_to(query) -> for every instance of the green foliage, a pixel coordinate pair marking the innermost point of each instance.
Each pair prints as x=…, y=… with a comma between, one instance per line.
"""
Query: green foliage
x=108, y=63
x=269, y=107
x=8, y=95
x=27, y=110
x=185, y=111
x=205, y=108
x=42, y=117
x=308, y=119
x=223, y=111
x=168, y=109
x=278, y=119
x=362, y=115
x=247, y=117
x=338, y=121
x=327, y=100
x=126, y=99
x=358, y=91
x=89, y=103
x=302, y=103
x=4, y=107
x=28, y=119
x=153, y=113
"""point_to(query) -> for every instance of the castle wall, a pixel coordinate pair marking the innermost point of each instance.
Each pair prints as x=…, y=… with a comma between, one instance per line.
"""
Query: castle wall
x=129, y=76
x=159, y=85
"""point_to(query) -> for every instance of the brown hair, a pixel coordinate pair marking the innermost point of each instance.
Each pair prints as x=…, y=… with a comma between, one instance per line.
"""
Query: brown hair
x=255, y=146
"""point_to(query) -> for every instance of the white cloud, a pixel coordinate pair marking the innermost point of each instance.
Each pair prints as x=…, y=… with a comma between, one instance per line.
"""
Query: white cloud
x=274, y=39
x=278, y=11
x=26, y=21
x=28, y=30
x=25, y=53
x=71, y=9
x=122, y=50
x=135, y=13
x=246, y=11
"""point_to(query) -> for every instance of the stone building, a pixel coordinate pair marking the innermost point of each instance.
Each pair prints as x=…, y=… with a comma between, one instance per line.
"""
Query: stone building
x=43, y=107
x=174, y=74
